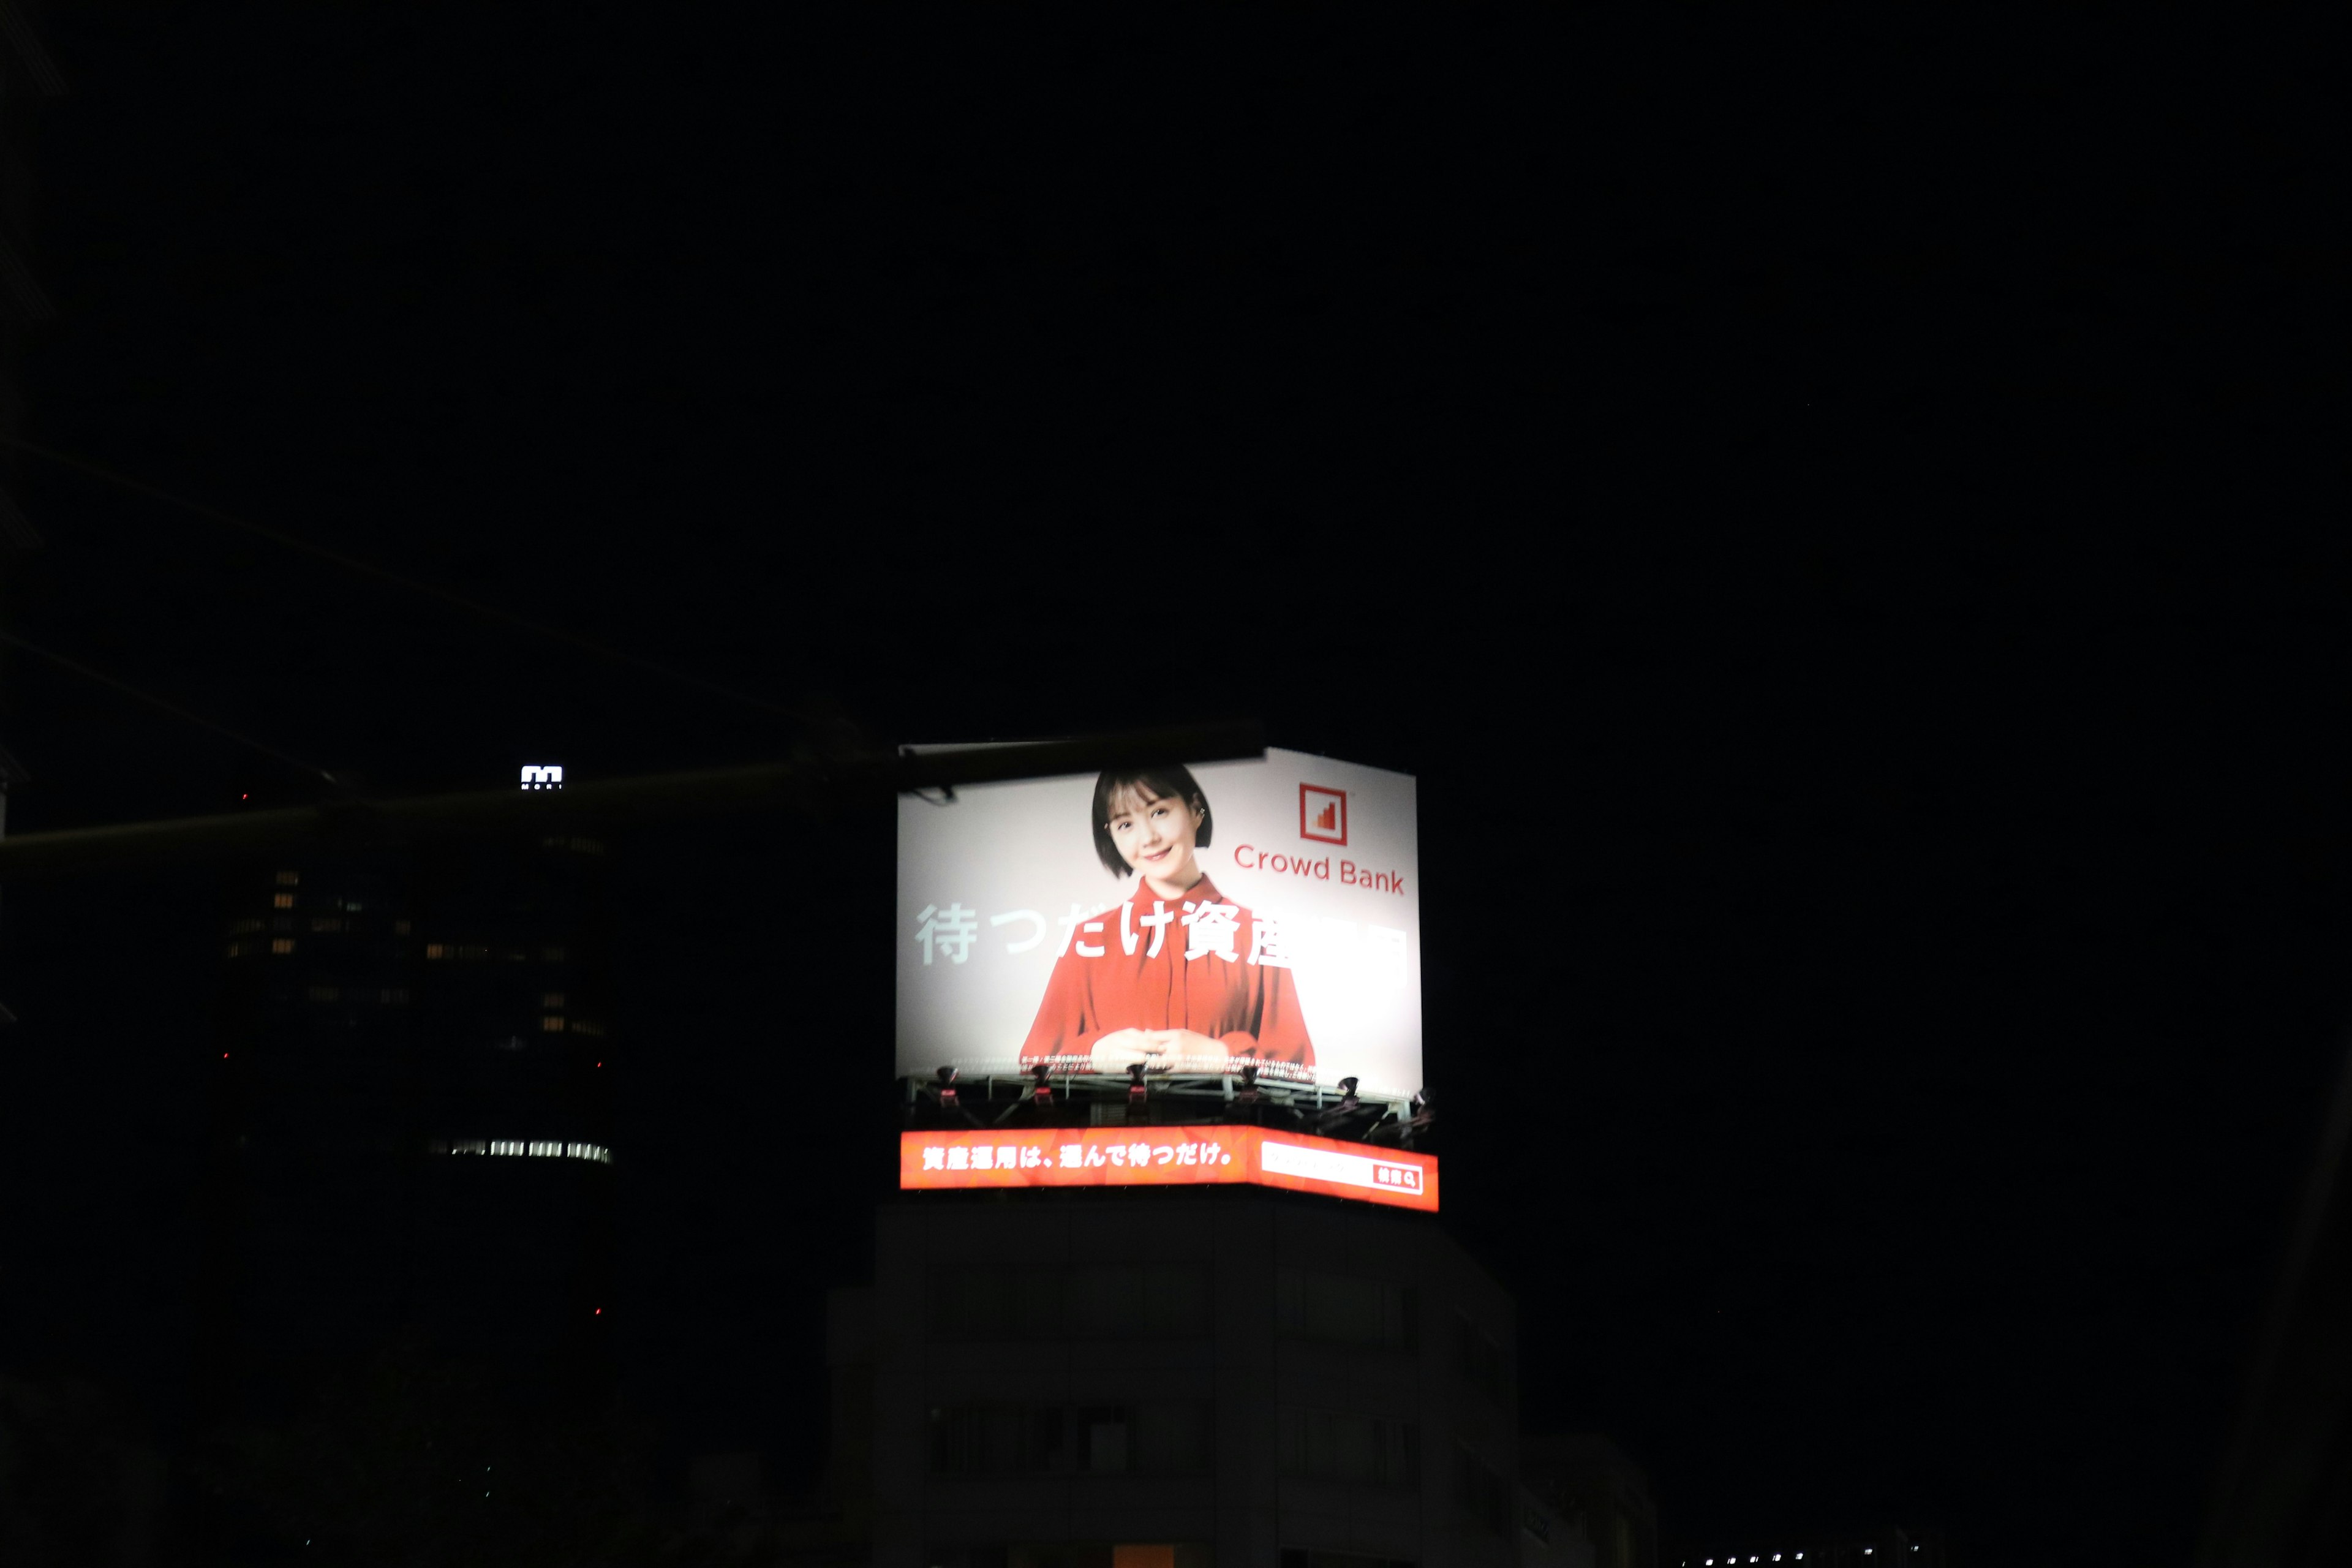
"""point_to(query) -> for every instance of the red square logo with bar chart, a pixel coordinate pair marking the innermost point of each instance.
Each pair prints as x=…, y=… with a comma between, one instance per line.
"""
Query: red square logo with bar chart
x=1323, y=813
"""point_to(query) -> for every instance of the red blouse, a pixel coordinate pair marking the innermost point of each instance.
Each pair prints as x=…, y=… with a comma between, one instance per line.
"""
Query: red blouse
x=1139, y=965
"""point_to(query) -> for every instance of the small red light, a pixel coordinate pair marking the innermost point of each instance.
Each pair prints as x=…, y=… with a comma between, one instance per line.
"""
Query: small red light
x=245, y=798
x=600, y=1063
x=224, y=1056
x=599, y=1311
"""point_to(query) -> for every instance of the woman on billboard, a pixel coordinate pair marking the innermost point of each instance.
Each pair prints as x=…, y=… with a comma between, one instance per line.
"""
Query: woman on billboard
x=1177, y=977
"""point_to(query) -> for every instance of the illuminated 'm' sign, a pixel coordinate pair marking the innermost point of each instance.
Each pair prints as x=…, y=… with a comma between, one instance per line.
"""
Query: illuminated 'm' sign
x=536, y=777
x=1167, y=1156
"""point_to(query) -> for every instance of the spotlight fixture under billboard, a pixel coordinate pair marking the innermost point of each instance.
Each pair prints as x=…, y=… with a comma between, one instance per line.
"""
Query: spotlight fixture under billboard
x=1167, y=1156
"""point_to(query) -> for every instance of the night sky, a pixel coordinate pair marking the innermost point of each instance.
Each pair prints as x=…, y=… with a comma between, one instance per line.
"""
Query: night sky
x=1823, y=504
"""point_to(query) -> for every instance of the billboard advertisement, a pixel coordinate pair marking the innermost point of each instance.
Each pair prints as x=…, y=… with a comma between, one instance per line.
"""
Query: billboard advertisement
x=1167, y=1156
x=1201, y=919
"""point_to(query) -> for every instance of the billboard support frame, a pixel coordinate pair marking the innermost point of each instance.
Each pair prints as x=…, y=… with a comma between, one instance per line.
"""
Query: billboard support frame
x=1213, y=1092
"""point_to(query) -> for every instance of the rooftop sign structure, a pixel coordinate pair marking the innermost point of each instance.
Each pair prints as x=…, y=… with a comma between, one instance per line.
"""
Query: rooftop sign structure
x=1167, y=1156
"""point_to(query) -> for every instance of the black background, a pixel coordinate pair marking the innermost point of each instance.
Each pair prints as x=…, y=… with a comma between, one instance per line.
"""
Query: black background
x=1823, y=501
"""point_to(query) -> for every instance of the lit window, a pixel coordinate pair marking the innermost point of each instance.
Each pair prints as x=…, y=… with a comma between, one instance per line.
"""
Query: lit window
x=239, y=949
x=242, y=926
x=552, y=1024
x=282, y=901
x=325, y=922
x=582, y=1026
x=527, y=1148
x=552, y=999
x=282, y=944
x=289, y=879
x=436, y=949
x=588, y=846
x=400, y=928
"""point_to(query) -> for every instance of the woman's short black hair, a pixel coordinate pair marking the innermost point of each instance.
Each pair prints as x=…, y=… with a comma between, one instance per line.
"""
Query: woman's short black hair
x=1172, y=781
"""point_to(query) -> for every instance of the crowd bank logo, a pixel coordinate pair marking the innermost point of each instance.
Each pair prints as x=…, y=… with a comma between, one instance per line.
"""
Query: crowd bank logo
x=1323, y=813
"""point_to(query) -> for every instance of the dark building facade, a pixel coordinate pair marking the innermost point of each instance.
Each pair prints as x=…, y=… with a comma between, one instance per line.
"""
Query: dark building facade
x=1178, y=1379
x=411, y=1127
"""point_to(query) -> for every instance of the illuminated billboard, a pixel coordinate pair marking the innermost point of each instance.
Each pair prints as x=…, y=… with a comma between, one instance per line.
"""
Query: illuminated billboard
x=1167, y=1156
x=1191, y=918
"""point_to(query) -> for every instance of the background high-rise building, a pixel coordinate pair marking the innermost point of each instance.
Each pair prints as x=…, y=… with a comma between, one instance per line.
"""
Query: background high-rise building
x=412, y=1128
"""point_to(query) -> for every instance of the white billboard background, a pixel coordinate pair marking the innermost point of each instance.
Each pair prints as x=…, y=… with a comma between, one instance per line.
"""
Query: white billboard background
x=1009, y=866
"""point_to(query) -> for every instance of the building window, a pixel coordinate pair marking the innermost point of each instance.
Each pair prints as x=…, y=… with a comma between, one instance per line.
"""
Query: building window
x=400, y=928
x=394, y=996
x=1480, y=1494
x=996, y=1438
x=1355, y=1450
x=553, y=954
x=582, y=1026
x=999, y=1439
x=1172, y=1437
x=325, y=922
x=239, y=949
x=1479, y=1362
x=242, y=926
x=1105, y=1435
x=999, y=1301
x=325, y=993
x=552, y=1026
x=1338, y=1310
x=282, y=901
x=552, y=999
x=436, y=949
x=283, y=944
x=289, y=879
x=532, y=1148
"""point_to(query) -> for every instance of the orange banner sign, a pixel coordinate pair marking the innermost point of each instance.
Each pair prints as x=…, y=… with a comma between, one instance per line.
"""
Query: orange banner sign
x=1167, y=1156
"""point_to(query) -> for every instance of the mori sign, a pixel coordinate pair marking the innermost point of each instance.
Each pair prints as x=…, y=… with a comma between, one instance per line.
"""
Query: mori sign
x=1168, y=1156
x=542, y=776
x=1191, y=918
